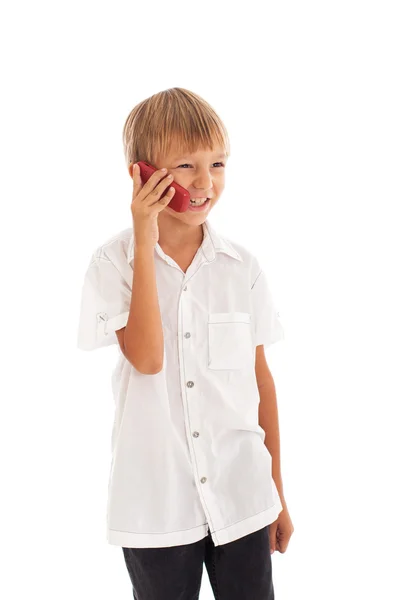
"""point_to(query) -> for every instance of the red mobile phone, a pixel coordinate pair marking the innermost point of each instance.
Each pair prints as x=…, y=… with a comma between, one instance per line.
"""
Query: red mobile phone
x=181, y=198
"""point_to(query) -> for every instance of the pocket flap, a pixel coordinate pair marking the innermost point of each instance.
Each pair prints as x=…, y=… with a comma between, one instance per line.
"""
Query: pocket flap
x=229, y=317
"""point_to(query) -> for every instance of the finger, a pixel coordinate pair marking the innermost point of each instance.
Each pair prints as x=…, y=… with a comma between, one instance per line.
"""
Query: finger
x=153, y=181
x=160, y=204
x=155, y=195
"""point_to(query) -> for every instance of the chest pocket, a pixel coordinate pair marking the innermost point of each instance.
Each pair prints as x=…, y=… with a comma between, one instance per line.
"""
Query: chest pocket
x=229, y=340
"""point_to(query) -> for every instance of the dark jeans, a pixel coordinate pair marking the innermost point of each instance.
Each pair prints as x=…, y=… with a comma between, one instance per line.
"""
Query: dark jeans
x=239, y=570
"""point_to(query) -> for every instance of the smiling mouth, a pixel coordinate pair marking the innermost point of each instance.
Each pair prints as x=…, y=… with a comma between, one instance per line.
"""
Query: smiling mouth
x=199, y=207
x=198, y=201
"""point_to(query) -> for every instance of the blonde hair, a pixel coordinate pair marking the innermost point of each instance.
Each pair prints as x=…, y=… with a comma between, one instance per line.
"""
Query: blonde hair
x=175, y=118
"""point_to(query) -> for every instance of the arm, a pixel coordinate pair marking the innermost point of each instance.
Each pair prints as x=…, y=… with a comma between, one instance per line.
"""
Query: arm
x=268, y=416
x=142, y=340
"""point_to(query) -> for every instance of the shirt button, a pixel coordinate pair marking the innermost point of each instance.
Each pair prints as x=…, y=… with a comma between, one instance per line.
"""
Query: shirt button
x=103, y=318
x=190, y=384
x=203, y=479
x=185, y=288
x=187, y=335
x=196, y=434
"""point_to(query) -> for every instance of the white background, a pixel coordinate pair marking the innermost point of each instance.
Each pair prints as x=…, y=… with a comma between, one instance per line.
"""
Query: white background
x=309, y=92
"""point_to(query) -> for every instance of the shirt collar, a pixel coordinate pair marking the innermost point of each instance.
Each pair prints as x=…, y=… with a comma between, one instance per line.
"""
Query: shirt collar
x=211, y=244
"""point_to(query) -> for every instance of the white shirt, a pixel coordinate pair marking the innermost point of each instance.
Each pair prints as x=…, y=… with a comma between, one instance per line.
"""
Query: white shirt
x=188, y=453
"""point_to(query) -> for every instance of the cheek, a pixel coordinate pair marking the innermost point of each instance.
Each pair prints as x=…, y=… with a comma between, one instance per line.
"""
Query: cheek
x=181, y=179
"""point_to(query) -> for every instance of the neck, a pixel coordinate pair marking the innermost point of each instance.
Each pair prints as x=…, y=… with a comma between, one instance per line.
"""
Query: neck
x=176, y=234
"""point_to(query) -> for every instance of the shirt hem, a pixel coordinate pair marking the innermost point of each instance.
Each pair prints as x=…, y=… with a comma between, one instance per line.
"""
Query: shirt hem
x=231, y=533
x=247, y=526
x=129, y=539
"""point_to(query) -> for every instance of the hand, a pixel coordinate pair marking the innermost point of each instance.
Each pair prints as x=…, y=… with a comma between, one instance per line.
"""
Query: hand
x=280, y=532
x=146, y=204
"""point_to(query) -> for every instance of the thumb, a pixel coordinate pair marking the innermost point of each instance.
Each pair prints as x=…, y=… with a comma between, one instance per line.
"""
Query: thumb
x=272, y=538
x=137, y=180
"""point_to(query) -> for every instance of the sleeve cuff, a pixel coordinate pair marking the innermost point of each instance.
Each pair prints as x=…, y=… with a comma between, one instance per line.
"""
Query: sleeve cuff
x=103, y=332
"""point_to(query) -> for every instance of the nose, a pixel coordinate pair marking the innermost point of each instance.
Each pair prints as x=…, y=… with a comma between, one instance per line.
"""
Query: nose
x=203, y=180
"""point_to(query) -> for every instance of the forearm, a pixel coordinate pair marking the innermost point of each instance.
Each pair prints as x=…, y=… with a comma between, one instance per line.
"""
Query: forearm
x=268, y=420
x=143, y=338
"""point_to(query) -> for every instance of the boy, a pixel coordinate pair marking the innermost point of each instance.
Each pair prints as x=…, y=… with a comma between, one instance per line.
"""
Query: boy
x=191, y=478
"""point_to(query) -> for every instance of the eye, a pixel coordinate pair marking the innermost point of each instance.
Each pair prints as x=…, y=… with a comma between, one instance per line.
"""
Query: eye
x=217, y=163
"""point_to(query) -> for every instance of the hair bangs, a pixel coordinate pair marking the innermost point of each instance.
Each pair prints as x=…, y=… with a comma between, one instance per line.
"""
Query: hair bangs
x=173, y=121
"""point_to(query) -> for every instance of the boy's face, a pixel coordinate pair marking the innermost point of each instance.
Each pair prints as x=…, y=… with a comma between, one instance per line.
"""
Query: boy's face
x=201, y=173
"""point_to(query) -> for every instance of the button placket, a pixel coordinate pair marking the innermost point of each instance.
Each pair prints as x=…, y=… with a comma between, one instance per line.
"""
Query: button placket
x=190, y=384
x=196, y=434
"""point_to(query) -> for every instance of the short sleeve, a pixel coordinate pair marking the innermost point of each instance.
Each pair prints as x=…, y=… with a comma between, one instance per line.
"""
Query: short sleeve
x=104, y=307
x=268, y=327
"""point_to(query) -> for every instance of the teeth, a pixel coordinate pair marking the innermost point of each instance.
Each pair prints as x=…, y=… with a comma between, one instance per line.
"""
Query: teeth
x=198, y=201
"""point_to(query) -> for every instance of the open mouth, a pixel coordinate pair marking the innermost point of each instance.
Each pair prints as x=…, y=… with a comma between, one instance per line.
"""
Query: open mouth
x=198, y=201
x=194, y=206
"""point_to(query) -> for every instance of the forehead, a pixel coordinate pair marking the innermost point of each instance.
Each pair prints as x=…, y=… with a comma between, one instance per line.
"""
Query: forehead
x=182, y=153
